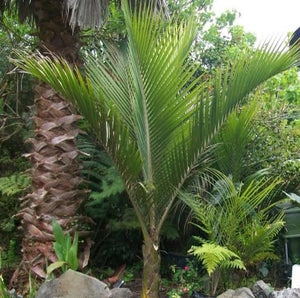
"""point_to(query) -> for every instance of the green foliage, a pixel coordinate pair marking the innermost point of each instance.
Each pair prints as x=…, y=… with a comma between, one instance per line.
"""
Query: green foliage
x=14, y=184
x=3, y=290
x=239, y=219
x=8, y=258
x=276, y=142
x=184, y=280
x=148, y=115
x=15, y=91
x=215, y=256
x=15, y=96
x=99, y=173
x=12, y=188
x=113, y=30
x=232, y=142
x=65, y=249
x=218, y=38
x=115, y=235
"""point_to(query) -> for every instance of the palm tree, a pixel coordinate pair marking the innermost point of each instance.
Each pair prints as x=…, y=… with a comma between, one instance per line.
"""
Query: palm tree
x=151, y=115
x=55, y=167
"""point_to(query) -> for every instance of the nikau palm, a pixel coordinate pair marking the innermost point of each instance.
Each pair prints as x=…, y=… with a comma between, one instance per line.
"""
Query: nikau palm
x=151, y=115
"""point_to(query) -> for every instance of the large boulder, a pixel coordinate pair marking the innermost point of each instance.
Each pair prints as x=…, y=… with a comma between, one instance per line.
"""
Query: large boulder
x=261, y=290
x=120, y=293
x=286, y=293
x=238, y=293
x=73, y=284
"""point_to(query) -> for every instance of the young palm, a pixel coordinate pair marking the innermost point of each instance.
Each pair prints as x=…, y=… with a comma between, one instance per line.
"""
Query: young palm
x=151, y=115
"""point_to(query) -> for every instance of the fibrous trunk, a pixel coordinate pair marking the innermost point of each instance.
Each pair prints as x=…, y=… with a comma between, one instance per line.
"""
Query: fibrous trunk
x=55, y=167
x=55, y=178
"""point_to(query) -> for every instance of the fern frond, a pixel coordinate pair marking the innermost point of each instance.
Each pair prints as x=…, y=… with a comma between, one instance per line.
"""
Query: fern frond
x=237, y=264
x=214, y=256
x=14, y=184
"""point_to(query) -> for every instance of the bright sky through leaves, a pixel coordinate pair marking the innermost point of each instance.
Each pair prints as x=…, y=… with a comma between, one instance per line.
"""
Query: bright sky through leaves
x=266, y=19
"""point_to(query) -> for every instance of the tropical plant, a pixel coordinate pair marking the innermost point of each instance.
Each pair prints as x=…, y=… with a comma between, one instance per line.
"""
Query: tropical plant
x=151, y=119
x=55, y=170
x=239, y=218
x=65, y=250
x=14, y=184
x=3, y=290
x=214, y=258
x=184, y=281
x=232, y=142
x=276, y=141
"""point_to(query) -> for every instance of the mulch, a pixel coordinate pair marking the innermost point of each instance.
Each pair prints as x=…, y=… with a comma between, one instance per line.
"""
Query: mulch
x=136, y=288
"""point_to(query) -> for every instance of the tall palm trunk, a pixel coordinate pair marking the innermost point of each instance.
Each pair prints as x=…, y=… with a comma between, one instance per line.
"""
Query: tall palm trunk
x=55, y=167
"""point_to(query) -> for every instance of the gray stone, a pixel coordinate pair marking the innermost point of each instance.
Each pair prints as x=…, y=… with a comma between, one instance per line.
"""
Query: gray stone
x=73, y=284
x=120, y=293
x=14, y=294
x=286, y=293
x=238, y=293
x=261, y=290
x=227, y=294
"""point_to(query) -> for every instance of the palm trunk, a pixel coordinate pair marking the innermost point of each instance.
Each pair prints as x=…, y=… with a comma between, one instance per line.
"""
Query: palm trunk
x=55, y=167
x=151, y=268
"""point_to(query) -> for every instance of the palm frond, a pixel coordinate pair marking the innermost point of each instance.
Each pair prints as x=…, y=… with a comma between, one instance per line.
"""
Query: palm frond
x=232, y=141
x=86, y=13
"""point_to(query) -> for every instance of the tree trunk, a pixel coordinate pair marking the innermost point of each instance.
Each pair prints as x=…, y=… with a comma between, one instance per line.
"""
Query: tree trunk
x=151, y=269
x=55, y=168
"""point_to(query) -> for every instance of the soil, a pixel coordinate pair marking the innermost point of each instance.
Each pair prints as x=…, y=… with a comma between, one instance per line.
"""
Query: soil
x=136, y=288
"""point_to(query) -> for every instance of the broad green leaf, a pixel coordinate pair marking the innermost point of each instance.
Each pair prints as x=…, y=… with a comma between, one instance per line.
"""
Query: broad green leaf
x=55, y=266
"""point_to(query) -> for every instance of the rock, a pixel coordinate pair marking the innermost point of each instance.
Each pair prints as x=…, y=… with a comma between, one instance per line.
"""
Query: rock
x=227, y=294
x=261, y=290
x=74, y=284
x=238, y=293
x=286, y=293
x=243, y=293
x=14, y=294
x=120, y=293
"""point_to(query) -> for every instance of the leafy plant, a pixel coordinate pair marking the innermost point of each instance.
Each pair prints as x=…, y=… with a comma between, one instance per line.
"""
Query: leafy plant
x=148, y=113
x=65, y=249
x=214, y=256
x=8, y=258
x=239, y=219
x=184, y=280
x=233, y=139
x=276, y=141
x=3, y=290
x=14, y=184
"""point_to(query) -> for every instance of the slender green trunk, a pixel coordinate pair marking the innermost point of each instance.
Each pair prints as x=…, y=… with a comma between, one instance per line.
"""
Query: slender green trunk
x=151, y=270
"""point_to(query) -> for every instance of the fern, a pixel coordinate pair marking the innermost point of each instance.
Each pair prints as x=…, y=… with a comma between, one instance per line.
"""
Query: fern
x=214, y=256
x=14, y=184
x=100, y=175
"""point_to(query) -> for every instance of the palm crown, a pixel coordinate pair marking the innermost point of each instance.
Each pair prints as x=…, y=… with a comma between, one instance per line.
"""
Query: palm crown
x=149, y=111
